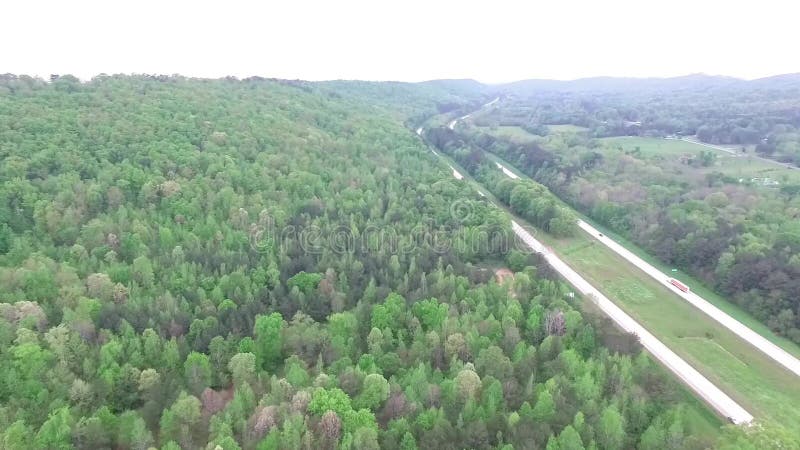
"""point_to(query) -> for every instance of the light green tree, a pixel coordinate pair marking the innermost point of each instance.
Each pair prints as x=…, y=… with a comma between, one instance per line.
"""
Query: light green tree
x=268, y=333
x=197, y=371
x=374, y=392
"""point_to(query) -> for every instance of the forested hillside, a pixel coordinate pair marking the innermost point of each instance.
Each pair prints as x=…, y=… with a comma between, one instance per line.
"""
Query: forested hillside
x=266, y=264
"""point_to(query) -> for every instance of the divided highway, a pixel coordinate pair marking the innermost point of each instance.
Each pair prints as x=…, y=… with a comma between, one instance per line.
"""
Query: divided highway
x=780, y=355
x=719, y=400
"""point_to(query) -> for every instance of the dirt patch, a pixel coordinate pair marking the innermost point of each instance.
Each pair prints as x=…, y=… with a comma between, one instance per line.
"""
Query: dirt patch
x=502, y=275
x=215, y=401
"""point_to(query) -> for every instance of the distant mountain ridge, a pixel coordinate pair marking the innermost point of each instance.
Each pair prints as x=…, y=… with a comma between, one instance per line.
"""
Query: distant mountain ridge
x=459, y=86
x=611, y=84
x=605, y=84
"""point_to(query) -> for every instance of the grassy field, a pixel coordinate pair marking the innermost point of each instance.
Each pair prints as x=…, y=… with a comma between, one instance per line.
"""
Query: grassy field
x=651, y=147
x=746, y=167
x=743, y=166
x=762, y=386
x=566, y=128
x=731, y=309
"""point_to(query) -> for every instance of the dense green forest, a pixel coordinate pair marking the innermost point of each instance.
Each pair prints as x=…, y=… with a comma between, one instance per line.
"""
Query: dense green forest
x=265, y=264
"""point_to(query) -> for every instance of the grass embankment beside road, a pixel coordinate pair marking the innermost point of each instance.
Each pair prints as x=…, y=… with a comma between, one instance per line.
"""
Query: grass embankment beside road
x=761, y=385
x=700, y=419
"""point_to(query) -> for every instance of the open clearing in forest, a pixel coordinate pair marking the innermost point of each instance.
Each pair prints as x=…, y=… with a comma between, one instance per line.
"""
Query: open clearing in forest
x=566, y=128
x=652, y=147
x=744, y=166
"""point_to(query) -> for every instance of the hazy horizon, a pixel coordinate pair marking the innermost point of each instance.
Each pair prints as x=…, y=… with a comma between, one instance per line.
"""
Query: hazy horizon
x=487, y=83
x=410, y=41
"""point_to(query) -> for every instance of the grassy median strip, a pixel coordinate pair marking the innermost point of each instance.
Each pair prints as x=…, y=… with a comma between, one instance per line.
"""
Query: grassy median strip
x=753, y=379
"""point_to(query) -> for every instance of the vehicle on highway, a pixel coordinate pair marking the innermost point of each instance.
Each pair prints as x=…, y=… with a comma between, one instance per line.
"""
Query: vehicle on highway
x=678, y=285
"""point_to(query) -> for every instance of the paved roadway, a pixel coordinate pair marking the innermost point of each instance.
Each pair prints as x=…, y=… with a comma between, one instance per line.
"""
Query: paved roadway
x=452, y=124
x=508, y=173
x=780, y=355
x=720, y=401
x=715, y=147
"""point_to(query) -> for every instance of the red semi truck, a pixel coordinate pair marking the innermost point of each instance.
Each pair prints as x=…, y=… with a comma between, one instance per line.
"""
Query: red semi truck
x=678, y=285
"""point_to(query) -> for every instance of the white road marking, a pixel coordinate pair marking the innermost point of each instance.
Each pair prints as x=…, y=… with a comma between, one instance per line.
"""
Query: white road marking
x=508, y=173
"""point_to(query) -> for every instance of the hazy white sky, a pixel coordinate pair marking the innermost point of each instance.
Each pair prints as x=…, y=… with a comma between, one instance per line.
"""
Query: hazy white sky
x=409, y=40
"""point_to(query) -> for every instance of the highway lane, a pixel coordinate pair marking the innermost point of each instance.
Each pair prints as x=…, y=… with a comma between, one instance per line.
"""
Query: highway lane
x=704, y=388
x=505, y=170
x=778, y=354
x=452, y=124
